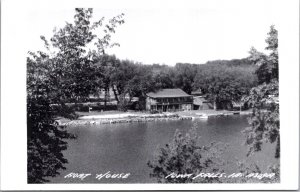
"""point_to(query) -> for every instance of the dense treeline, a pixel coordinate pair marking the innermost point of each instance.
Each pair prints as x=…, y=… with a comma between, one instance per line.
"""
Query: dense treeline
x=223, y=82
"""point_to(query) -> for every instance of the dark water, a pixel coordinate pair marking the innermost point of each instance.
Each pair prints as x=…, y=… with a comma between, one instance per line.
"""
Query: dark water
x=127, y=147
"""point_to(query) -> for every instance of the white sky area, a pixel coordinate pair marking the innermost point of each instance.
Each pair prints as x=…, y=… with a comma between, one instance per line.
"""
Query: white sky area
x=168, y=32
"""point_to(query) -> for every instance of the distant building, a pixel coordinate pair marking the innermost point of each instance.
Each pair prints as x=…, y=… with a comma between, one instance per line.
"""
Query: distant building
x=200, y=103
x=237, y=105
x=169, y=100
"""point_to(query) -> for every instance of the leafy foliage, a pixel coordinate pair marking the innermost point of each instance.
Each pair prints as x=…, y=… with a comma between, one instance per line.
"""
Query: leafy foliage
x=267, y=64
x=184, y=76
x=265, y=122
x=185, y=155
x=45, y=138
x=66, y=73
x=73, y=65
x=225, y=84
x=164, y=76
x=45, y=142
x=250, y=169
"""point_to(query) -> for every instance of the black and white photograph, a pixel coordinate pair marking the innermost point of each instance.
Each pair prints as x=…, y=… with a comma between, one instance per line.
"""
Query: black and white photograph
x=151, y=92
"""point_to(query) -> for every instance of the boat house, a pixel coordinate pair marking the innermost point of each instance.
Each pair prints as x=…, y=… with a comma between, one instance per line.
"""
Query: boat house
x=169, y=100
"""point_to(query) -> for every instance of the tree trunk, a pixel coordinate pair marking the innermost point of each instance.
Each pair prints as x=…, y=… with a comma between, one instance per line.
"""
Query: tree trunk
x=115, y=93
x=106, y=96
x=277, y=152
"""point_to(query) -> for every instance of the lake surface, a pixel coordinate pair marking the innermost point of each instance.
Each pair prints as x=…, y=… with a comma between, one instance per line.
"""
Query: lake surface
x=127, y=147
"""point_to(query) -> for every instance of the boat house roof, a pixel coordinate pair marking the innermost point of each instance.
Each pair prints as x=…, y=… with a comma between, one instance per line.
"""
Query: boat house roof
x=164, y=93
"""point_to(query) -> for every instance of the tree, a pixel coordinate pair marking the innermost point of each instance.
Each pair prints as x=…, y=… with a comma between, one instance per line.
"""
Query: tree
x=184, y=76
x=163, y=76
x=106, y=66
x=163, y=80
x=123, y=73
x=141, y=84
x=265, y=122
x=74, y=63
x=225, y=84
x=267, y=64
x=185, y=155
x=45, y=138
x=65, y=73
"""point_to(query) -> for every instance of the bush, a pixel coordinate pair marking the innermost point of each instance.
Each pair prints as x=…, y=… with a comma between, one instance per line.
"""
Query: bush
x=184, y=155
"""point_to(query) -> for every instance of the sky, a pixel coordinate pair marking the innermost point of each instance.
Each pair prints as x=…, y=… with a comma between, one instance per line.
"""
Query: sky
x=169, y=32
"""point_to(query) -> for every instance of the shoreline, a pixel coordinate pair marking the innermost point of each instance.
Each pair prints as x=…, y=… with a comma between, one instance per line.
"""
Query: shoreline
x=133, y=117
